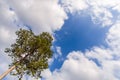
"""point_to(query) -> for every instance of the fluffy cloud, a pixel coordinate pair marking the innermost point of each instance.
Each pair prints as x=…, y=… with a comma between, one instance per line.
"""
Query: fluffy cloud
x=7, y=29
x=48, y=15
x=101, y=12
x=76, y=67
x=113, y=38
x=40, y=15
x=84, y=66
x=99, y=63
x=73, y=6
x=58, y=52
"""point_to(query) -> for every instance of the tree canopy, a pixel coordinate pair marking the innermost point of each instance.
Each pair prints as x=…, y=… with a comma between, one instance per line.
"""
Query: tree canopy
x=30, y=53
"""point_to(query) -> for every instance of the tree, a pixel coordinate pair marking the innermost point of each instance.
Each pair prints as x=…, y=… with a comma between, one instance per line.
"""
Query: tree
x=30, y=53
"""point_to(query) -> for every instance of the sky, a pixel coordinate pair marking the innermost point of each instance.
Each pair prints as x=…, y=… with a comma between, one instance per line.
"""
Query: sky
x=86, y=36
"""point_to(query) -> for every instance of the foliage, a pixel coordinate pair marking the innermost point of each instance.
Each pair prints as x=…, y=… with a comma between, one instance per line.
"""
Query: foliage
x=30, y=53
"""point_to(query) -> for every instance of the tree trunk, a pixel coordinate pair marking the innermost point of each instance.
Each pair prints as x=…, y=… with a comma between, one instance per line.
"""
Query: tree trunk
x=7, y=72
x=13, y=67
x=10, y=69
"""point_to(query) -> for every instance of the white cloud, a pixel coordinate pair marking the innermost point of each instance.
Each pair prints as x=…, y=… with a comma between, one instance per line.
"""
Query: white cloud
x=4, y=34
x=107, y=9
x=101, y=16
x=99, y=63
x=80, y=66
x=7, y=36
x=113, y=39
x=77, y=67
x=41, y=15
x=7, y=26
x=101, y=11
x=48, y=15
x=105, y=3
x=56, y=55
x=59, y=50
x=73, y=6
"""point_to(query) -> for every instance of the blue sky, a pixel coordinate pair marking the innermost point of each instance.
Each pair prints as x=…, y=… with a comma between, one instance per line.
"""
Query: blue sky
x=78, y=33
x=86, y=36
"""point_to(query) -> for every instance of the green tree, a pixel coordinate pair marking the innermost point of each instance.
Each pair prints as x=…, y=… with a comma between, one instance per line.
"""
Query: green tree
x=30, y=53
